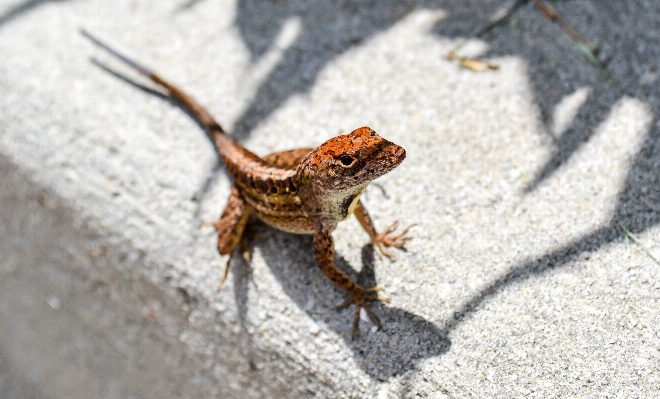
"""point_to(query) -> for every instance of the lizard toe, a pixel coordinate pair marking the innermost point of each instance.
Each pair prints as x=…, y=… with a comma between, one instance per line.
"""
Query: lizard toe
x=361, y=299
x=385, y=239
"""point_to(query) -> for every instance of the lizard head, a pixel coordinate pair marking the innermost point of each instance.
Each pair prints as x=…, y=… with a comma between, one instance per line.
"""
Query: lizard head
x=350, y=161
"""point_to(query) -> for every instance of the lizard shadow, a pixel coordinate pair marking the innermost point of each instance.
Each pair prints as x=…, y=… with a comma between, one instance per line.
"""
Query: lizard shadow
x=242, y=276
x=406, y=338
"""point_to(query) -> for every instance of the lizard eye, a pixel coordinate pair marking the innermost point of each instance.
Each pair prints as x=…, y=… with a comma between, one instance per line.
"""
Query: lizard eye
x=347, y=161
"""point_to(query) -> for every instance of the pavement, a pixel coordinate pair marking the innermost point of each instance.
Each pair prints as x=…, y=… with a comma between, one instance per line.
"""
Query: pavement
x=520, y=280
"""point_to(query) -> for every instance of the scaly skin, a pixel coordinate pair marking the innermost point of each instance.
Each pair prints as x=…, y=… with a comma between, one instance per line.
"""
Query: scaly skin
x=303, y=191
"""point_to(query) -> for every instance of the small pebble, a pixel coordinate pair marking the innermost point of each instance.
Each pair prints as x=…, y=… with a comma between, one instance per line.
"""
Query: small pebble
x=364, y=316
x=54, y=302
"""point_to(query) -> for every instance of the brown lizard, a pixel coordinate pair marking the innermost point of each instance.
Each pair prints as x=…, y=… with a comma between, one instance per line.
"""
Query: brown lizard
x=302, y=191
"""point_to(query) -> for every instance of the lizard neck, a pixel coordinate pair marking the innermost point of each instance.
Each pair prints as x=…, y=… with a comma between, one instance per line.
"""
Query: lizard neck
x=329, y=207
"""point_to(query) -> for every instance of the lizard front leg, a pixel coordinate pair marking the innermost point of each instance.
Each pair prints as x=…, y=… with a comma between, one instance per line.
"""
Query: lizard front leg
x=231, y=226
x=384, y=239
x=324, y=250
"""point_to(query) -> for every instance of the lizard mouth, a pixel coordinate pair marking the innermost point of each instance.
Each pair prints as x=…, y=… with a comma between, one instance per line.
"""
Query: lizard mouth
x=384, y=159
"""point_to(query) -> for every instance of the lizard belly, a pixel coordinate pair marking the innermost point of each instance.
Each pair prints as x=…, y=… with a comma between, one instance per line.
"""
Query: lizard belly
x=284, y=212
x=289, y=223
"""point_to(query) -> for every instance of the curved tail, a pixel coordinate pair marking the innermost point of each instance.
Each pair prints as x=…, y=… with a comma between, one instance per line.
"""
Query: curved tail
x=213, y=129
x=246, y=167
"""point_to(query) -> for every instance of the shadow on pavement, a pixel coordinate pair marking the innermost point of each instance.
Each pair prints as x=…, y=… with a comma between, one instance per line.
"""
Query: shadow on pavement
x=406, y=338
x=332, y=28
x=329, y=29
x=632, y=64
x=23, y=8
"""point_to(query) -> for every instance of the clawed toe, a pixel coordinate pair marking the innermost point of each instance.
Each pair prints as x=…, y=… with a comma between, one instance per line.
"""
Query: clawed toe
x=224, y=277
x=345, y=304
x=384, y=240
x=356, y=319
x=362, y=304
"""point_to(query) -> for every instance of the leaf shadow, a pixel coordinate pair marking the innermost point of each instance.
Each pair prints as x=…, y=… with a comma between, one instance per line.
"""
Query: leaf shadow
x=327, y=29
x=551, y=68
x=187, y=5
x=638, y=209
x=23, y=8
x=336, y=27
x=552, y=59
x=530, y=37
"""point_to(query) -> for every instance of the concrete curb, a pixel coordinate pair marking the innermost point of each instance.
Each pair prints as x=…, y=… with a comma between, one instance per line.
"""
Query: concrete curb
x=518, y=282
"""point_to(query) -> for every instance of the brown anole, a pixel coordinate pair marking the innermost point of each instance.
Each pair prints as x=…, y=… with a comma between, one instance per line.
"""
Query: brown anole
x=302, y=191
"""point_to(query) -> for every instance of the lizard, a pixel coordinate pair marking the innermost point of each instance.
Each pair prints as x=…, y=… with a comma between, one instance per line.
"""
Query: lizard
x=301, y=191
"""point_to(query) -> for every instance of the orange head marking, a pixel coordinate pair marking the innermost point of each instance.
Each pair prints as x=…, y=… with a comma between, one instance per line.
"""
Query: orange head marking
x=350, y=161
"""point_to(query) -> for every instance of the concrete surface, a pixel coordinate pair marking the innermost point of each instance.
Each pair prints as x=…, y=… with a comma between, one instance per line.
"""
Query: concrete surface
x=519, y=281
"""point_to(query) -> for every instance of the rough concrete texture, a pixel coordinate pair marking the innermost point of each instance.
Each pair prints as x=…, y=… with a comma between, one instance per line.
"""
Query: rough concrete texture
x=519, y=281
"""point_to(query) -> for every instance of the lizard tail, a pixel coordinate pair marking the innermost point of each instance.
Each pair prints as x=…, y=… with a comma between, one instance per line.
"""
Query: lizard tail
x=213, y=129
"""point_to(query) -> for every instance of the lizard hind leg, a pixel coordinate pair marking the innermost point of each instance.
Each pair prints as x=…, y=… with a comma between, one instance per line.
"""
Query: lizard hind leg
x=245, y=253
x=224, y=276
x=231, y=227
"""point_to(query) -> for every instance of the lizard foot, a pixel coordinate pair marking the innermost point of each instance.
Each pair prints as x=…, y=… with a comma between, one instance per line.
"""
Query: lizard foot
x=360, y=299
x=224, y=277
x=245, y=252
x=385, y=239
